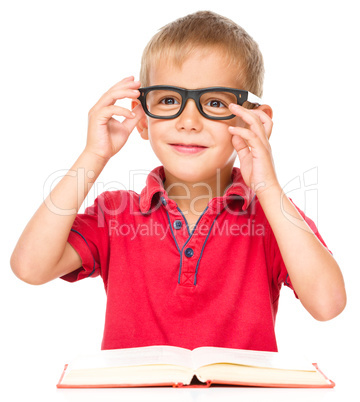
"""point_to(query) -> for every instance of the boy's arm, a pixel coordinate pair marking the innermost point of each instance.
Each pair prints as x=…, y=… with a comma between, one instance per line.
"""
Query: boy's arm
x=42, y=252
x=314, y=273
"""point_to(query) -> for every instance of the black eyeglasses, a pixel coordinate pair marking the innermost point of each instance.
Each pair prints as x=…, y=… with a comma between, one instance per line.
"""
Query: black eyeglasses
x=168, y=102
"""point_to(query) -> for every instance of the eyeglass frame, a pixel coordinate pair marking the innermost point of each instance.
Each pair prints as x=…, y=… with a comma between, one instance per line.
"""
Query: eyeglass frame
x=242, y=96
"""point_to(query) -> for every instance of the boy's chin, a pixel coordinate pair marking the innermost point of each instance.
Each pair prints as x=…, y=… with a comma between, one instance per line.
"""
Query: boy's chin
x=188, y=174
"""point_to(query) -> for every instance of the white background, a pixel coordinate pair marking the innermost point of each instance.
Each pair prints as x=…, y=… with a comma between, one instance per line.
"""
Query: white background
x=59, y=57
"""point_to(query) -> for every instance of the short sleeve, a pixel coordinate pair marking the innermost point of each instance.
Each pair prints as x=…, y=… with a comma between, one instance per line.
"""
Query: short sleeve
x=280, y=274
x=89, y=237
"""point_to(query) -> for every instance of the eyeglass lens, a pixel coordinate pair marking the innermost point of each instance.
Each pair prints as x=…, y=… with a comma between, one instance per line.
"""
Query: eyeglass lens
x=164, y=103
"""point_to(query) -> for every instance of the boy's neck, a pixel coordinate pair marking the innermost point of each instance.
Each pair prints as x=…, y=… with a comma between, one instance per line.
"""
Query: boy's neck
x=193, y=197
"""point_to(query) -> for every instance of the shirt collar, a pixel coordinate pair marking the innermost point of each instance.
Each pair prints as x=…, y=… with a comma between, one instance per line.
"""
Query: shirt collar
x=155, y=189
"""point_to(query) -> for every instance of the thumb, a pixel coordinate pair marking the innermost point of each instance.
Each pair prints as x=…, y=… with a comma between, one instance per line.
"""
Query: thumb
x=239, y=144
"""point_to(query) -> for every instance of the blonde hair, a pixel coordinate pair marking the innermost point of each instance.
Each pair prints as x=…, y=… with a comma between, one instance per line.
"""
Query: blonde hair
x=176, y=41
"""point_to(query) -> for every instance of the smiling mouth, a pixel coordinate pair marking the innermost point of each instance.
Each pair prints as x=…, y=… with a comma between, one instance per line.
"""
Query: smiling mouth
x=188, y=148
x=188, y=145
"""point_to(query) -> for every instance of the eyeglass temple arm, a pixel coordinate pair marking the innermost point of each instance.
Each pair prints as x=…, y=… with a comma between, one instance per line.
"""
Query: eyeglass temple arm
x=253, y=99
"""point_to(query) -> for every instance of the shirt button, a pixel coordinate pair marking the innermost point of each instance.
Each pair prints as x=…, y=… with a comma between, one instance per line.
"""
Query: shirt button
x=163, y=201
x=189, y=252
x=177, y=224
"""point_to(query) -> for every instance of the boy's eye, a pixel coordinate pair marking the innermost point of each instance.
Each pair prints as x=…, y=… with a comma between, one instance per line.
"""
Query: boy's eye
x=169, y=101
x=215, y=103
x=217, y=100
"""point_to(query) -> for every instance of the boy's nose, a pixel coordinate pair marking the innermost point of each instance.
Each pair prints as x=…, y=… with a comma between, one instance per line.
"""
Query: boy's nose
x=190, y=118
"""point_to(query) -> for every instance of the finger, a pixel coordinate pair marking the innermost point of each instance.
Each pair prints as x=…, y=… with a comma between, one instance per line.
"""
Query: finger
x=129, y=78
x=251, y=119
x=240, y=145
x=110, y=97
x=253, y=141
x=130, y=124
x=246, y=114
x=266, y=120
x=126, y=82
x=119, y=91
x=113, y=110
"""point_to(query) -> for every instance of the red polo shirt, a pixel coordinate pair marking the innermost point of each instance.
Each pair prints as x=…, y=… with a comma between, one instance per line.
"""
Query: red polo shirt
x=216, y=286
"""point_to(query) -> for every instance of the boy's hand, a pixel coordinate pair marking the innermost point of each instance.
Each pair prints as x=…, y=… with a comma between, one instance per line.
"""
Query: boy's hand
x=106, y=135
x=251, y=143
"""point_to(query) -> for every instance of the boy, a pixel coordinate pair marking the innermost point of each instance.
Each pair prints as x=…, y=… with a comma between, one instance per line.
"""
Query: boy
x=199, y=256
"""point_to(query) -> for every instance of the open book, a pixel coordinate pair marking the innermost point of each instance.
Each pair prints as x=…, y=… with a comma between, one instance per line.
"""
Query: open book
x=177, y=367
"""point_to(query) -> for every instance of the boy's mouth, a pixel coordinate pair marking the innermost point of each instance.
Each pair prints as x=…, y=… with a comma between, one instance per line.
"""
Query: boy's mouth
x=188, y=148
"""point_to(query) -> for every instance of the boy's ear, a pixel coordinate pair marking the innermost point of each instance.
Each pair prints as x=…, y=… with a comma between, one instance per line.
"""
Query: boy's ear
x=142, y=125
x=267, y=109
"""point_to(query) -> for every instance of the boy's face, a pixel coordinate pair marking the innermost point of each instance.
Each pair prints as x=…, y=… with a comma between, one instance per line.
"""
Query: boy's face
x=200, y=70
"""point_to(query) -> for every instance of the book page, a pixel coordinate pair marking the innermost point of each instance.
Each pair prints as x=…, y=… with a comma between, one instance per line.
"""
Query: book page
x=208, y=355
x=133, y=357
